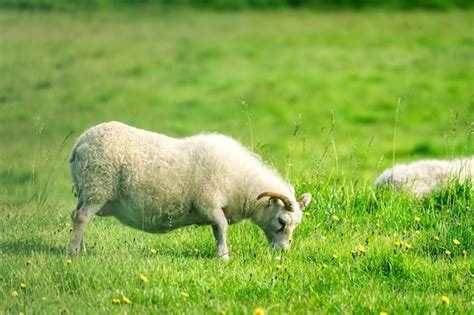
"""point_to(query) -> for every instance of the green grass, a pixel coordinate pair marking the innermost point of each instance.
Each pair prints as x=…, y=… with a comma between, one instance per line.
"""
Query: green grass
x=316, y=94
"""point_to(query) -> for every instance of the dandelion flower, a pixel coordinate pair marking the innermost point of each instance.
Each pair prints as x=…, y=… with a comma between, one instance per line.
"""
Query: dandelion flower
x=222, y=312
x=307, y=213
x=334, y=256
x=116, y=301
x=335, y=218
x=436, y=238
x=259, y=311
x=324, y=266
x=69, y=261
x=361, y=249
x=278, y=267
x=21, y=313
x=456, y=242
x=143, y=278
x=398, y=243
x=445, y=299
x=448, y=253
x=126, y=300
x=417, y=219
x=152, y=251
x=23, y=285
x=408, y=246
x=14, y=294
x=185, y=294
x=383, y=313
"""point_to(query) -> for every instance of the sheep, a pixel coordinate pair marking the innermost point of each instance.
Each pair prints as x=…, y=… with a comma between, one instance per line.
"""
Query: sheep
x=423, y=177
x=157, y=183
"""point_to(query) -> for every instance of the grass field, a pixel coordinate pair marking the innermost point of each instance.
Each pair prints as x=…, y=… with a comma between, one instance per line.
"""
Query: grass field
x=329, y=99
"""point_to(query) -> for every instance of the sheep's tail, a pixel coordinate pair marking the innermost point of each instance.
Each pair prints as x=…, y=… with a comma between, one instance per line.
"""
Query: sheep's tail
x=72, y=164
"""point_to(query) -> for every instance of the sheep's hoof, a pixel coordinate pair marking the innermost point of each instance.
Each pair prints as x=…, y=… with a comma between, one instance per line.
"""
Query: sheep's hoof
x=224, y=257
x=73, y=251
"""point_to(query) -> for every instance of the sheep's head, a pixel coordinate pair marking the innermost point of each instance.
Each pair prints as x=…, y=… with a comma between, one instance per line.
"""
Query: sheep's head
x=280, y=216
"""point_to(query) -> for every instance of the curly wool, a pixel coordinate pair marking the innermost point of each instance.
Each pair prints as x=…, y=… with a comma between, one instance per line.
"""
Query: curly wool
x=156, y=183
x=425, y=176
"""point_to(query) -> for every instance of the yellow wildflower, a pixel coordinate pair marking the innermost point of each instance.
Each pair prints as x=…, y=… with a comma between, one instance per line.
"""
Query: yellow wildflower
x=69, y=261
x=28, y=262
x=407, y=246
x=448, y=253
x=456, y=242
x=334, y=256
x=21, y=313
x=417, y=232
x=417, y=219
x=398, y=243
x=361, y=248
x=436, y=238
x=222, y=312
x=278, y=267
x=116, y=301
x=324, y=266
x=445, y=299
x=14, y=294
x=335, y=218
x=143, y=278
x=185, y=294
x=307, y=214
x=23, y=285
x=152, y=251
x=377, y=225
x=383, y=313
x=259, y=311
x=126, y=300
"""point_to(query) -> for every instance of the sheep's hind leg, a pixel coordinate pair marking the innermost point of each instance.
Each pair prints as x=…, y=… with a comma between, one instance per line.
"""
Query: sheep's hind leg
x=81, y=218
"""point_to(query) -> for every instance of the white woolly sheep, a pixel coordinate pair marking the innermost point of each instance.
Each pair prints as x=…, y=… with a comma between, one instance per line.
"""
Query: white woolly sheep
x=425, y=176
x=156, y=183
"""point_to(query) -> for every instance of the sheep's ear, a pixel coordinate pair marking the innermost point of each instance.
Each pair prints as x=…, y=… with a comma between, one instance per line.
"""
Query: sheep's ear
x=304, y=200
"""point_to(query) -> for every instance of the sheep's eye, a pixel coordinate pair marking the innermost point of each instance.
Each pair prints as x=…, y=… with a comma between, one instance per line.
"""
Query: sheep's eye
x=283, y=225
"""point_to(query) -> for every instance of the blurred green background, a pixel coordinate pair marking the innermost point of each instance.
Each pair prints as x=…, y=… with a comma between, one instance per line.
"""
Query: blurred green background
x=325, y=93
x=245, y=4
x=329, y=93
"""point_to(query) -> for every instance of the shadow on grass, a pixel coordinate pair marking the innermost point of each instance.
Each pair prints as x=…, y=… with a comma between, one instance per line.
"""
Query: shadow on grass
x=201, y=251
x=27, y=247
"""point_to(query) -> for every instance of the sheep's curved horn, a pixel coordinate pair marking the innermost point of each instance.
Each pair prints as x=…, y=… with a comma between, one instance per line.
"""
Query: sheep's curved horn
x=283, y=198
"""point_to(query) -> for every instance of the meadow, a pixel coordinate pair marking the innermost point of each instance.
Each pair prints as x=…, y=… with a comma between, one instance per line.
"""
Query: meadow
x=329, y=99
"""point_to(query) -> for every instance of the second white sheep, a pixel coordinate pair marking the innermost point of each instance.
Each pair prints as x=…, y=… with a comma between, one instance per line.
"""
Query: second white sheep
x=425, y=176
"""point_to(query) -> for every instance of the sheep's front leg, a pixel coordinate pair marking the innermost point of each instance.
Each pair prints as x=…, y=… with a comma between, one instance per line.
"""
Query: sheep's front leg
x=219, y=228
x=80, y=218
